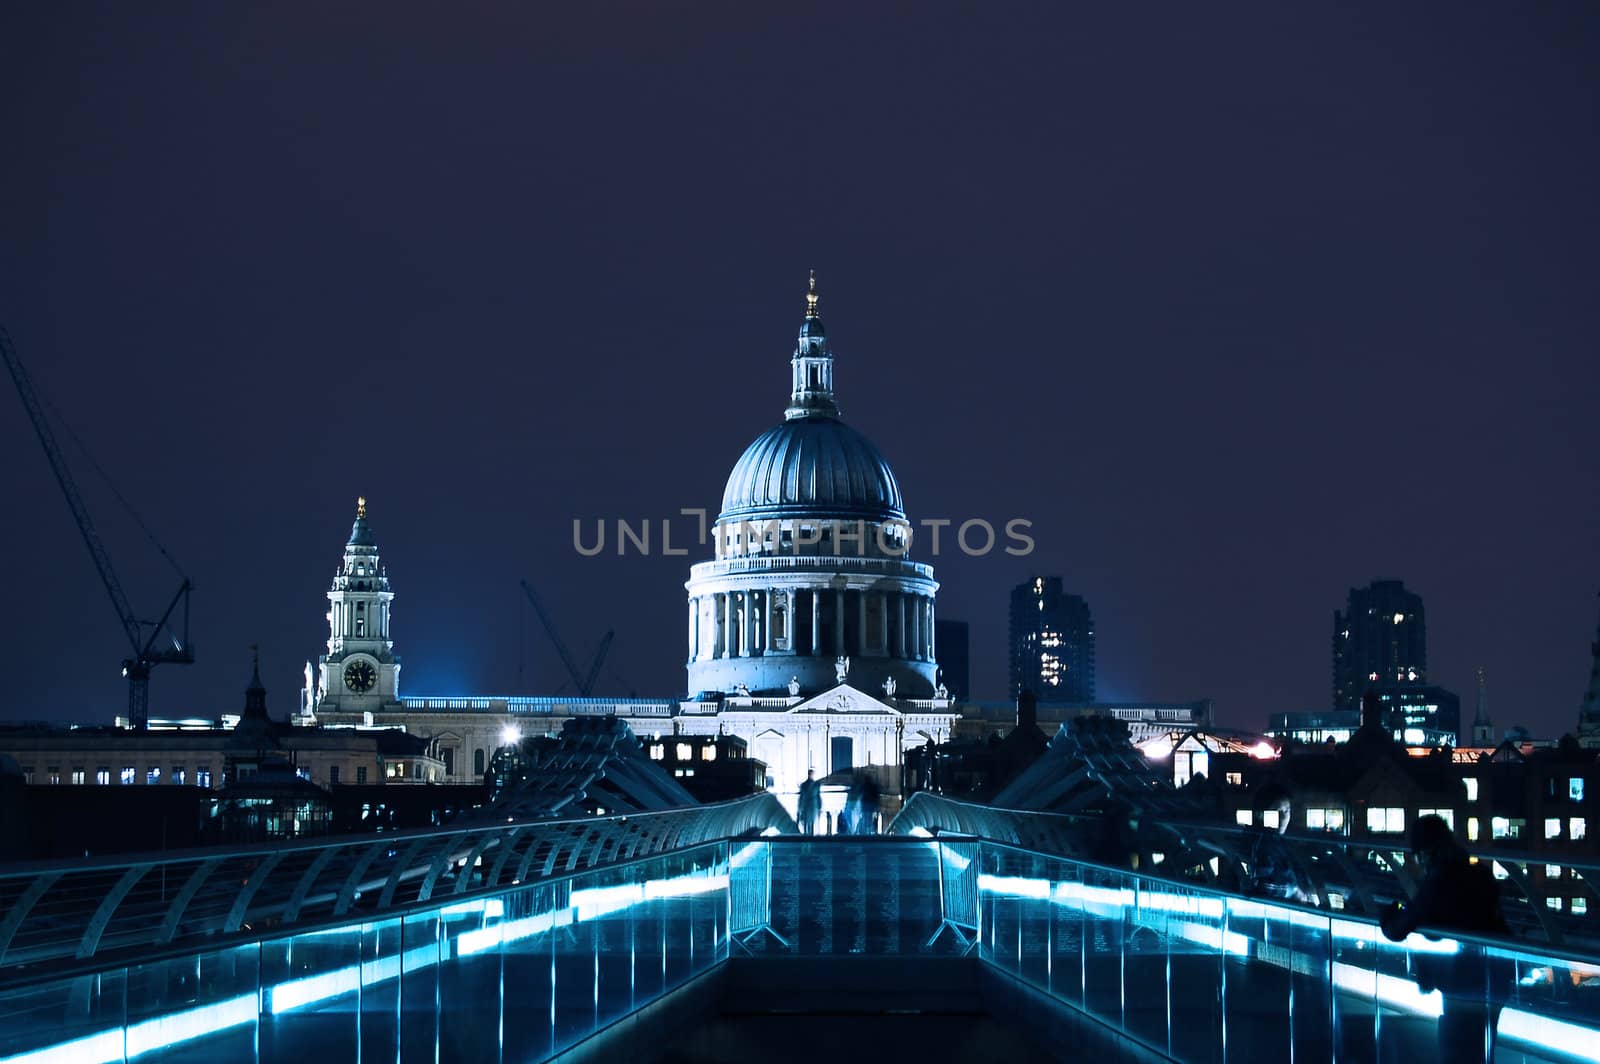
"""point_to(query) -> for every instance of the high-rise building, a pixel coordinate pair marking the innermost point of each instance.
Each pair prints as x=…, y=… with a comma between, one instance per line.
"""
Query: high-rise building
x=1052, y=642
x=953, y=639
x=1379, y=638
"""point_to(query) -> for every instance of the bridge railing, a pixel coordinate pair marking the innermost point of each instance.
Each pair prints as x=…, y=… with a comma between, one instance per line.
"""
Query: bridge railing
x=1548, y=897
x=527, y=971
x=79, y=910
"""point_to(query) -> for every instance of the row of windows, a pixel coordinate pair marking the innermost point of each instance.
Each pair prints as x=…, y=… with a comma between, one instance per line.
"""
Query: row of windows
x=127, y=775
x=1391, y=820
x=685, y=752
x=1575, y=788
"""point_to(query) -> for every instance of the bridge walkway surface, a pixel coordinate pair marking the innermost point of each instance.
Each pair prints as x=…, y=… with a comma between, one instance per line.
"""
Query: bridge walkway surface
x=780, y=947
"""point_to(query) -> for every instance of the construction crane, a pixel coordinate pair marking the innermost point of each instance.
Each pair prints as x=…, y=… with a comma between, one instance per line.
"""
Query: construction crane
x=143, y=636
x=584, y=683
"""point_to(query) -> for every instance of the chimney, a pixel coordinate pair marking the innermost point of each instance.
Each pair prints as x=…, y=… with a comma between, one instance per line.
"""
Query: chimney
x=1027, y=709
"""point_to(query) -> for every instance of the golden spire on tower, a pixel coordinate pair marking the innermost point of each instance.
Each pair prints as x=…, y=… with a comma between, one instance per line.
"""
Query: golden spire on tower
x=361, y=507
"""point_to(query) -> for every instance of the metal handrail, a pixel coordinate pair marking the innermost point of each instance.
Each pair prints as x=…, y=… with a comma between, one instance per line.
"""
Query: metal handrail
x=1366, y=874
x=79, y=909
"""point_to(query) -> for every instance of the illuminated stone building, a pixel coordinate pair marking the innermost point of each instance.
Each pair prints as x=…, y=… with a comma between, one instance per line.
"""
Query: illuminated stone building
x=810, y=636
x=811, y=560
x=360, y=672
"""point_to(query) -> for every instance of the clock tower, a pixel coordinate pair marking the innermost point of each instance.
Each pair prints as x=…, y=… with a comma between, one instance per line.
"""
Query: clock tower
x=360, y=672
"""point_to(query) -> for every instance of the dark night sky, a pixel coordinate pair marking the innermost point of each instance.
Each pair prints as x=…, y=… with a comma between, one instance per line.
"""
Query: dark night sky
x=1240, y=305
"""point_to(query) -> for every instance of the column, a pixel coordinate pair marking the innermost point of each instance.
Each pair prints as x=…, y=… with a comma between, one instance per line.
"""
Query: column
x=725, y=643
x=766, y=621
x=790, y=622
x=694, y=629
x=899, y=624
x=749, y=647
x=883, y=623
x=914, y=607
x=933, y=650
x=816, y=623
x=838, y=623
x=861, y=622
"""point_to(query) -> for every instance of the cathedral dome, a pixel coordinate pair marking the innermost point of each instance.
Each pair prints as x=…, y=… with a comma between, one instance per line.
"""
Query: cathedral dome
x=812, y=465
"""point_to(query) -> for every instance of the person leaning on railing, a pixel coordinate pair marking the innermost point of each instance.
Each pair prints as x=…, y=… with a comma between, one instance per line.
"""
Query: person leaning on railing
x=1459, y=895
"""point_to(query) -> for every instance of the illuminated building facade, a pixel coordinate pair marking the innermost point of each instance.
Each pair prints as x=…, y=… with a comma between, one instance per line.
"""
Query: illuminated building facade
x=1052, y=642
x=811, y=633
x=812, y=557
x=360, y=672
x=1380, y=637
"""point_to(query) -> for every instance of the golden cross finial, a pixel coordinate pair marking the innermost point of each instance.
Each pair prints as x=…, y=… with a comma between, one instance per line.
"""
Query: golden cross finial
x=811, y=296
x=361, y=506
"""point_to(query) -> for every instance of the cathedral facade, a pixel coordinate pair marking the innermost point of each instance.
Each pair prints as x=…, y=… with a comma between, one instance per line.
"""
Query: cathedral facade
x=810, y=630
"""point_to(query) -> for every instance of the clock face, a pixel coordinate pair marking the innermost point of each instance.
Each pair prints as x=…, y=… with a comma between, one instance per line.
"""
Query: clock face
x=359, y=676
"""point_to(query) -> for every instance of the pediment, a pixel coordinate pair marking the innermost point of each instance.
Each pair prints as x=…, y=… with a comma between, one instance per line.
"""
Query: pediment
x=844, y=699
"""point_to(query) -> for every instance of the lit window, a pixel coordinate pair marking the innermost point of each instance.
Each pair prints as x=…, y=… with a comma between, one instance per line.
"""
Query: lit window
x=1575, y=827
x=1335, y=819
x=685, y=752
x=78, y=776
x=54, y=773
x=1472, y=788
x=1472, y=829
x=202, y=777
x=658, y=751
x=1316, y=819
x=1552, y=871
x=1269, y=818
x=1552, y=827
x=1234, y=779
x=1499, y=871
x=1580, y=906
x=1447, y=815
x=179, y=777
x=102, y=775
x=1553, y=903
x=1502, y=828
x=152, y=775
x=1386, y=820
x=1242, y=817
x=127, y=774
x=1575, y=788
x=708, y=752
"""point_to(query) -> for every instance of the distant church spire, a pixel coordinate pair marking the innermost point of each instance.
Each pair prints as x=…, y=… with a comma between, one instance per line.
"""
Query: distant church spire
x=1589, y=712
x=255, y=696
x=811, y=390
x=1482, y=726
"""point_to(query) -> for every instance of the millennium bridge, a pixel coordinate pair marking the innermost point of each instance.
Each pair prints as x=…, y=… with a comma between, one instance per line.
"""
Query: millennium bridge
x=719, y=933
